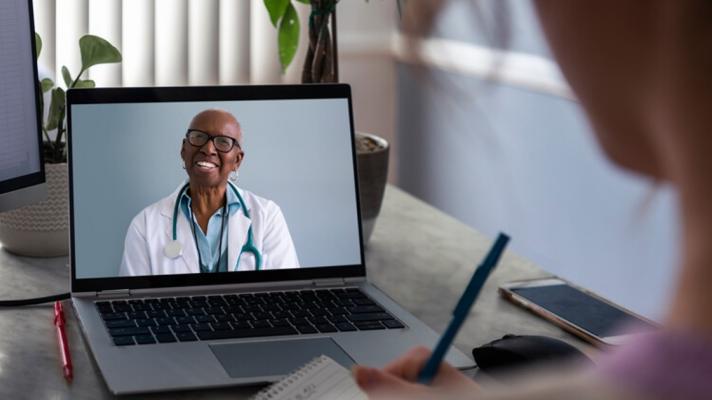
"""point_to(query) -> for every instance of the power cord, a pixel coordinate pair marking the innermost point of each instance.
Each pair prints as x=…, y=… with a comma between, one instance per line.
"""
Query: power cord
x=34, y=300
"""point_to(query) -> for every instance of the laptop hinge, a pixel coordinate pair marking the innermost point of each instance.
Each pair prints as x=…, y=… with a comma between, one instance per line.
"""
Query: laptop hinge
x=329, y=282
x=117, y=293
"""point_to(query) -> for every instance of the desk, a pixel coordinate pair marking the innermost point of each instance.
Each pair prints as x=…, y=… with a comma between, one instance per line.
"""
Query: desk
x=418, y=255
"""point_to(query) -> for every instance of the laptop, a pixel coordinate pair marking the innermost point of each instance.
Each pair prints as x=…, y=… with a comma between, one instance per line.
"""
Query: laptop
x=292, y=283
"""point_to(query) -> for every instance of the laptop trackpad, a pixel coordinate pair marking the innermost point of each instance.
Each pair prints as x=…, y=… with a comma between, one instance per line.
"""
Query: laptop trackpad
x=269, y=358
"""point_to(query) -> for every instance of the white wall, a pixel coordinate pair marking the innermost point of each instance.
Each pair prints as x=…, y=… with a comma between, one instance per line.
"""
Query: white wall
x=365, y=31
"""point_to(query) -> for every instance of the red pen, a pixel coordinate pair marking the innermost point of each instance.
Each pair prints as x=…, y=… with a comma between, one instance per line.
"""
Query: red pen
x=62, y=339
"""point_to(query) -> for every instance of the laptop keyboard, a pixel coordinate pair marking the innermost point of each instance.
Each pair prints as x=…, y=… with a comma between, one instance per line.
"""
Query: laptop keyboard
x=232, y=316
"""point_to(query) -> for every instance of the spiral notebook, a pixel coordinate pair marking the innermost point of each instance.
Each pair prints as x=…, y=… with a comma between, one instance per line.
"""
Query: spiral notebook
x=321, y=378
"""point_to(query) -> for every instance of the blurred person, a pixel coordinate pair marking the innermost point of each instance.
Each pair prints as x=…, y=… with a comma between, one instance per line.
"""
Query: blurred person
x=642, y=71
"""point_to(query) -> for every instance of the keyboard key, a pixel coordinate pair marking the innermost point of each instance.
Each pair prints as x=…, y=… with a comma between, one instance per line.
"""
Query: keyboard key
x=129, y=331
x=261, y=324
x=279, y=322
x=273, y=308
x=156, y=313
x=241, y=317
x=204, y=318
x=216, y=300
x=363, y=301
x=221, y=326
x=160, y=329
x=124, y=340
x=338, y=311
x=214, y=310
x=345, y=327
x=104, y=307
x=196, y=311
x=244, y=333
x=392, y=324
x=114, y=316
x=145, y=322
x=121, y=306
x=368, y=317
x=298, y=321
x=365, y=309
x=165, y=338
x=306, y=329
x=186, y=336
x=201, y=327
x=145, y=339
x=318, y=320
x=181, y=328
x=252, y=309
x=318, y=312
x=185, y=320
x=165, y=321
x=370, y=325
x=258, y=316
x=337, y=318
x=298, y=313
x=325, y=328
x=241, y=325
x=222, y=318
x=176, y=313
x=122, y=323
x=137, y=315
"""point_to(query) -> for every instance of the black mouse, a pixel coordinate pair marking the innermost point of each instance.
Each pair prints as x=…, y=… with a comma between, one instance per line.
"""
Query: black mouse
x=515, y=351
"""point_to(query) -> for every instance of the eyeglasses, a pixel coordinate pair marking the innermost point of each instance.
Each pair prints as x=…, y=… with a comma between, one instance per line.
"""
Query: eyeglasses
x=222, y=144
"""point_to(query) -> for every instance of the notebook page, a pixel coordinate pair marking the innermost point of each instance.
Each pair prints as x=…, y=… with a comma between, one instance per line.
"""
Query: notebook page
x=322, y=378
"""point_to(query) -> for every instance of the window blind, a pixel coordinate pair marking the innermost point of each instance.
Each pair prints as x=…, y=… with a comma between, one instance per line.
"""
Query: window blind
x=168, y=42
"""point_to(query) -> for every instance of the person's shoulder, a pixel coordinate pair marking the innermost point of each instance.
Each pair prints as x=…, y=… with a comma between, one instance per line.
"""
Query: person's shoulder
x=163, y=206
x=257, y=203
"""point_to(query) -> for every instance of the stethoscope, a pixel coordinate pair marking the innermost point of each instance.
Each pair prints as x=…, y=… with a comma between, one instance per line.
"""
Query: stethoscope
x=174, y=248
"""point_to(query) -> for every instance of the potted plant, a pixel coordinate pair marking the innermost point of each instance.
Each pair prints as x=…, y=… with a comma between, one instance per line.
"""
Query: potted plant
x=42, y=229
x=321, y=66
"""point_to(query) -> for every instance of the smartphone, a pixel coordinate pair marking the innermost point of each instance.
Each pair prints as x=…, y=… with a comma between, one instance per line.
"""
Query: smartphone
x=576, y=310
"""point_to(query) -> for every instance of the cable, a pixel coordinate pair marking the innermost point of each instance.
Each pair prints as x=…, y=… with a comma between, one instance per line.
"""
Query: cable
x=34, y=300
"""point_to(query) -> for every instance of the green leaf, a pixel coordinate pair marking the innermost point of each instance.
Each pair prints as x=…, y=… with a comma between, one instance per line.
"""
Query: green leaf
x=56, y=109
x=96, y=50
x=307, y=1
x=38, y=45
x=67, y=76
x=276, y=9
x=46, y=84
x=288, y=37
x=85, y=83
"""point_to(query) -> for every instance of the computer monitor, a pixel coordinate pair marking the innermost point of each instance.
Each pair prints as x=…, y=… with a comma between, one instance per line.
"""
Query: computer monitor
x=22, y=177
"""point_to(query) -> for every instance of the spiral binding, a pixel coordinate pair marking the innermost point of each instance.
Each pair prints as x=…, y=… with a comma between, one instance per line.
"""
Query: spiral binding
x=271, y=392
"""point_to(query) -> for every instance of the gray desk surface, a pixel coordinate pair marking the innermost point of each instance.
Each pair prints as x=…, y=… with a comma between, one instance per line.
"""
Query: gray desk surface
x=418, y=255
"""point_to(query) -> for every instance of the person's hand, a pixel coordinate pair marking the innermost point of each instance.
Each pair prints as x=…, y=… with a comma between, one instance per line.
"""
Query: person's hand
x=399, y=379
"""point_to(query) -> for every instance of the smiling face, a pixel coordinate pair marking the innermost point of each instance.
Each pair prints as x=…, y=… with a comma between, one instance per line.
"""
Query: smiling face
x=206, y=166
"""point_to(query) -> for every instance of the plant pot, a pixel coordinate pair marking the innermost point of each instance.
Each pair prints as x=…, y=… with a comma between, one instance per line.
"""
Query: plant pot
x=372, y=159
x=42, y=229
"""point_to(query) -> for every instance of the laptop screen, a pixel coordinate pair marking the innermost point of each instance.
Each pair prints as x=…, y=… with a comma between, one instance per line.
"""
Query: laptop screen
x=217, y=187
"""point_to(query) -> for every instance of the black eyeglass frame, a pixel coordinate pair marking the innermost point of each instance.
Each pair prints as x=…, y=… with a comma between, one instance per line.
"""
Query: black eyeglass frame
x=212, y=138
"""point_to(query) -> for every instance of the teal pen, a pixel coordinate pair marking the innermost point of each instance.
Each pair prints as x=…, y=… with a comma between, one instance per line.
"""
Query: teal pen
x=460, y=312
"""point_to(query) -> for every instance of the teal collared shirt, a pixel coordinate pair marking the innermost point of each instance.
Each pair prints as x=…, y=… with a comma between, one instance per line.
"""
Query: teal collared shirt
x=209, y=245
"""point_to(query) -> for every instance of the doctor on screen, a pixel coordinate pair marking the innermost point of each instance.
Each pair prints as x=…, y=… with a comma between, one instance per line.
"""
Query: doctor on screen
x=231, y=229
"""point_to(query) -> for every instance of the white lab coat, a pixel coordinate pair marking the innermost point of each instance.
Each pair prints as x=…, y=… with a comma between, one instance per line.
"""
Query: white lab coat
x=152, y=229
